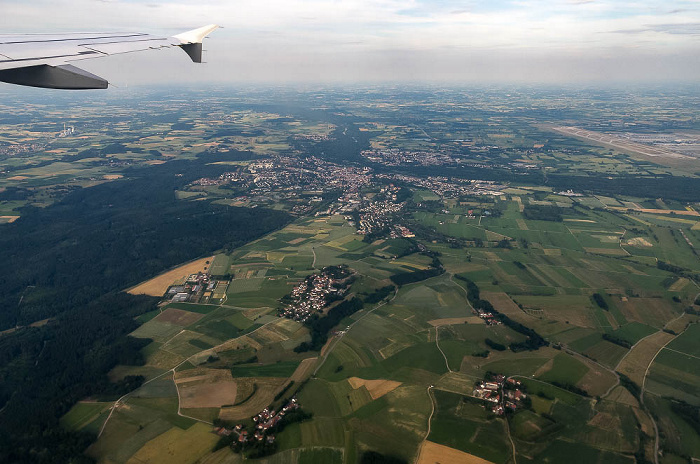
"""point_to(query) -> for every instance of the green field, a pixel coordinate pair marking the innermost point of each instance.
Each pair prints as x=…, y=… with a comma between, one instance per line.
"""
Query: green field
x=467, y=427
x=280, y=369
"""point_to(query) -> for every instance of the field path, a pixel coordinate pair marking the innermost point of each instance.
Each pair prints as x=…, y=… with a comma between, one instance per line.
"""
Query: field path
x=430, y=420
x=644, y=384
x=512, y=443
x=437, y=343
x=641, y=396
x=466, y=295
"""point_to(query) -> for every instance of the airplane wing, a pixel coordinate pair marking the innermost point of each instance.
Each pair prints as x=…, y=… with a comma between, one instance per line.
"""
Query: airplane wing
x=42, y=60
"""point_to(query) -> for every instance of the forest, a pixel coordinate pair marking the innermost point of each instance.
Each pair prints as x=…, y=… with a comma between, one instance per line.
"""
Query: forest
x=68, y=263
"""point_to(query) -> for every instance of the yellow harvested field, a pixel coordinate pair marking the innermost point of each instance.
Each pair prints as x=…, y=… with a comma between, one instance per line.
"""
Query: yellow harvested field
x=112, y=176
x=18, y=178
x=157, y=286
x=276, y=256
x=432, y=453
x=267, y=388
x=205, y=388
x=504, y=304
x=303, y=371
x=679, y=285
x=635, y=364
x=376, y=388
x=639, y=242
x=552, y=251
x=678, y=324
x=667, y=211
x=8, y=219
x=177, y=446
x=327, y=345
x=456, y=320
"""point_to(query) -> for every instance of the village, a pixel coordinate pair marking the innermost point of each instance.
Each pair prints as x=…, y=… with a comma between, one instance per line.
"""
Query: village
x=504, y=393
x=264, y=423
x=316, y=293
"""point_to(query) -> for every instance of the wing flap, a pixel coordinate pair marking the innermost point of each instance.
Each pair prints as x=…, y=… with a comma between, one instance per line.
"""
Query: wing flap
x=115, y=48
x=53, y=77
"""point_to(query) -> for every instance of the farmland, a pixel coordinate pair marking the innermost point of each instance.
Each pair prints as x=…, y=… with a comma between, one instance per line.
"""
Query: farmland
x=426, y=333
x=472, y=241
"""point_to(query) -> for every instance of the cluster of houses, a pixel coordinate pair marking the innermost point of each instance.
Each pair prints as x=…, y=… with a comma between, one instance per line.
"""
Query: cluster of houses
x=377, y=216
x=401, y=231
x=503, y=393
x=194, y=289
x=263, y=422
x=488, y=317
x=311, y=296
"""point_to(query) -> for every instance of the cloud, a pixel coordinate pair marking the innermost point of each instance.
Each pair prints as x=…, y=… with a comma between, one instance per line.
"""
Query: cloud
x=692, y=29
x=301, y=39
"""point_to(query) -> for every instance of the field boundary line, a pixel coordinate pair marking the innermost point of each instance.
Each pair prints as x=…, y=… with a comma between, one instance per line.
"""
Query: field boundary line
x=680, y=352
x=641, y=395
x=334, y=343
x=126, y=395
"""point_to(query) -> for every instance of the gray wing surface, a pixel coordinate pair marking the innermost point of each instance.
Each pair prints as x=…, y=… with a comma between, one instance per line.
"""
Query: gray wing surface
x=43, y=60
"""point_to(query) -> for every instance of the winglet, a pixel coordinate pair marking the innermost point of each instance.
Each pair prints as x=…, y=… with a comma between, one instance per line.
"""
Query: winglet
x=191, y=41
x=196, y=35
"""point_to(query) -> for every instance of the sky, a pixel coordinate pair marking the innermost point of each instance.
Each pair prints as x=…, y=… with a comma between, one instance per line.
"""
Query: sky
x=329, y=41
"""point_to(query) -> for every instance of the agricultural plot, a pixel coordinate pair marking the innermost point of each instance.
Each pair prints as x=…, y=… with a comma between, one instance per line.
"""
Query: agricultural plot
x=433, y=453
x=178, y=317
x=177, y=446
x=83, y=414
x=465, y=426
x=370, y=391
x=220, y=266
x=205, y=388
x=159, y=285
x=562, y=369
x=262, y=394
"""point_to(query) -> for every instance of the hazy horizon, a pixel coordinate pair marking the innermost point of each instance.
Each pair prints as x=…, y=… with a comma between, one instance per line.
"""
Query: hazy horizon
x=449, y=42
